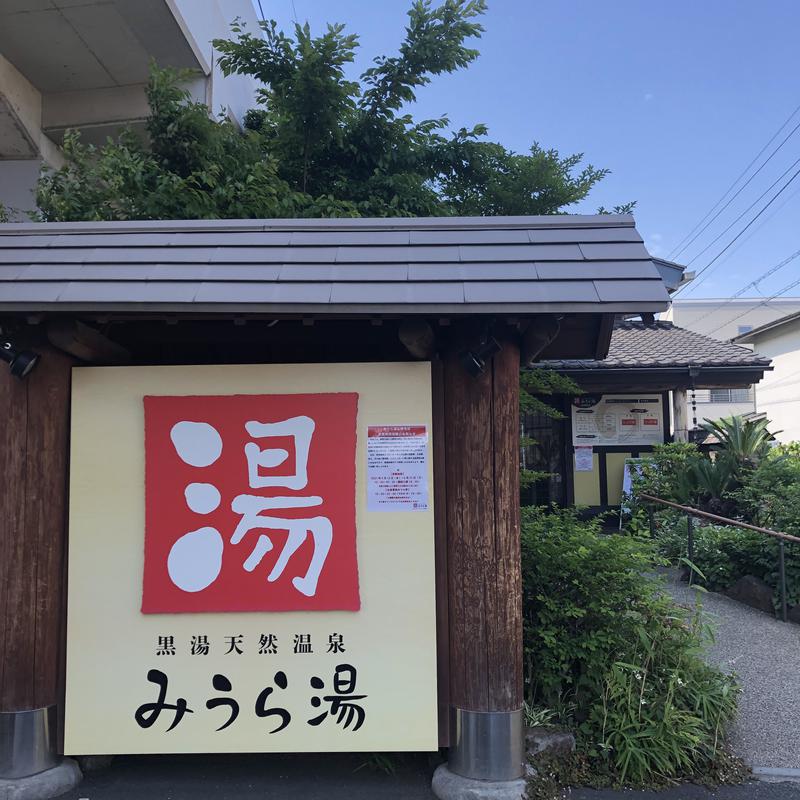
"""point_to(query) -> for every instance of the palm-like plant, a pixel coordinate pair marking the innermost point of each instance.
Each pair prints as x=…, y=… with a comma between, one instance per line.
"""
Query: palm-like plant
x=743, y=441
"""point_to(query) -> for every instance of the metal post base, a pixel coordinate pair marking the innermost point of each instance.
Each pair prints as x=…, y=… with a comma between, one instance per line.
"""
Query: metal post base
x=28, y=742
x=52, y=782
x=487, y=745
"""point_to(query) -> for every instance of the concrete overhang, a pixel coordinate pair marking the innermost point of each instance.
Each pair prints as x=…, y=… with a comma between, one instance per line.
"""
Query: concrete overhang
x=84, y=64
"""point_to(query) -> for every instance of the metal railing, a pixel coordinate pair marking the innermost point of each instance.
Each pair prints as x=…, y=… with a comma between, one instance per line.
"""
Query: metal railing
x=695, y=512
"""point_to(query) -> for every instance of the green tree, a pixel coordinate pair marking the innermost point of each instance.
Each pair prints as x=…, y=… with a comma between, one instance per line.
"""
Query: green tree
x=319, y=144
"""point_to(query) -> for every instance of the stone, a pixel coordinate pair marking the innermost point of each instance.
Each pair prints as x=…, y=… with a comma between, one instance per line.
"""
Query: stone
x=551, y=741
x=50, y=783
x=90, y=764
x=447, y=785
x=753, y=592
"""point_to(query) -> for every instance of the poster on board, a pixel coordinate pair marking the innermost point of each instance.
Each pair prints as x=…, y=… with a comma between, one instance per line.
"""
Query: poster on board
x=397, y=468
x=584, y=458
x=617, y=420
x=230, y=589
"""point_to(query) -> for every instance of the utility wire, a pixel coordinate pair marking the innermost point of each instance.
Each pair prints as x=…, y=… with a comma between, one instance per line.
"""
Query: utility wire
x=738, y=192
x=749, y=208
x=752, y=284
x=764, y=302
x=780, y=191
x=742, y=242
x=680, y=247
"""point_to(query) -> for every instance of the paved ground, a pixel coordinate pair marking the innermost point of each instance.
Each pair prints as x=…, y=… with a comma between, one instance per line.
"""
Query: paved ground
x=765, y=654
x=271, y=777
x=327, y=777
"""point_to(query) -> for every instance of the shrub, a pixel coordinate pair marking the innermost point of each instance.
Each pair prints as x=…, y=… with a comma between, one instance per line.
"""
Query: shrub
x=664, y=474
x=615, y=658
x=723, y=554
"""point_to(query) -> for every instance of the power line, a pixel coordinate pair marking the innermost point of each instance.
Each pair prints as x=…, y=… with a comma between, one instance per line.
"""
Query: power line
x=752, y=284
x=757, y=305
x=679, y=248
x=749, y=208
x=758, y=227
x=261, y=9
x=738, y=192
x=743, y=230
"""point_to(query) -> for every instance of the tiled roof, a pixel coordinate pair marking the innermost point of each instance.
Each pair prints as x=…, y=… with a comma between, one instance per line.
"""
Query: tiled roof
x=518, y=265
x=641, y=345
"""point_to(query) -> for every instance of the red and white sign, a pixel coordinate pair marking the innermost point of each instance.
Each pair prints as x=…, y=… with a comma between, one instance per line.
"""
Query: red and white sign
x=250, y=503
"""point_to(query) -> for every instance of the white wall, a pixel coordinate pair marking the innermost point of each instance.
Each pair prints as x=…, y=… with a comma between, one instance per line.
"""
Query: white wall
x=210, y=20
x=17, y=179
x=778, y=394
x=721, y=318
x=715, y=411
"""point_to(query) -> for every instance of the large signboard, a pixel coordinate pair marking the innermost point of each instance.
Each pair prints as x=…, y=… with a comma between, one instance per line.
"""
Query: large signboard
x=251, y=560
x=617, y=420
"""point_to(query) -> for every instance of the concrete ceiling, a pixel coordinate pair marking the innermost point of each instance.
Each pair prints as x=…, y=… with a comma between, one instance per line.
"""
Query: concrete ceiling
x=68, y=45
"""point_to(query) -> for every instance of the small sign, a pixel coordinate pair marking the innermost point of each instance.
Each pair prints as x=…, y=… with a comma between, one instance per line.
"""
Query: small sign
x=632, y=466
x=617, y=420
x=584, y=458
x=397, y=468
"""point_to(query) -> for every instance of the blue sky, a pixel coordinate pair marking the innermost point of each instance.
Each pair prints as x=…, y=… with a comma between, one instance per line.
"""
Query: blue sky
x=674, y=97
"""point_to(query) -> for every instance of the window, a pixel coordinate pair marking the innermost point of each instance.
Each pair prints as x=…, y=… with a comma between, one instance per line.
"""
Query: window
x=731, y=395
x=744, y=329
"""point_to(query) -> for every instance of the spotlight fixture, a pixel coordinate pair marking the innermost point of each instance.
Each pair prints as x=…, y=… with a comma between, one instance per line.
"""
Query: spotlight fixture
x=474, y=360
x=20, y=362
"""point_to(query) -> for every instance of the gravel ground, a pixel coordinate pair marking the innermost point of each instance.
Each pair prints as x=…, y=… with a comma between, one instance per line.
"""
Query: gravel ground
x=765, y=654
x=747, y=791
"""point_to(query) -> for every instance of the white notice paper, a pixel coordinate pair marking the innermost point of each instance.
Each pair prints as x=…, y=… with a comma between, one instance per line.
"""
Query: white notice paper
x=397, y=468
x=584, y=458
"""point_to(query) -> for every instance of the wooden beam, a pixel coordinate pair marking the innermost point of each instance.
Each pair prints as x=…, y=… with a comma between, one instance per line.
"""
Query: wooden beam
x=604, y=335
x=34, y=443
x=85, y=343
x=680, y=416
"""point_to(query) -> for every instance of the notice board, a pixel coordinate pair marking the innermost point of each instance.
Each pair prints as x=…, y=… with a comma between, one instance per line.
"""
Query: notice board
x=617, y=420
x=230, y=588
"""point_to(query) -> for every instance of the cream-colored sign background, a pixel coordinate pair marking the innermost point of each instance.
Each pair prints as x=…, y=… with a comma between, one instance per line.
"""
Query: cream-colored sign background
x=111, y=645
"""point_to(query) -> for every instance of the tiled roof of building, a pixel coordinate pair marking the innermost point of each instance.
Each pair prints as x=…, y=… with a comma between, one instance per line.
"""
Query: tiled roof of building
x=515, y=265
x=640, y=345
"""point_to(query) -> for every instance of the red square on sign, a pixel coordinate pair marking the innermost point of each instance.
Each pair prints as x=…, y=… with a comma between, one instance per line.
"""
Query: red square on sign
x=250, y=503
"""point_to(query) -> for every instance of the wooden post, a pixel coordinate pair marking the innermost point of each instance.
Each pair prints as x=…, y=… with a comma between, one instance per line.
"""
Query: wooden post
x=34, y=442
x=680, y=416
x=482, y=443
